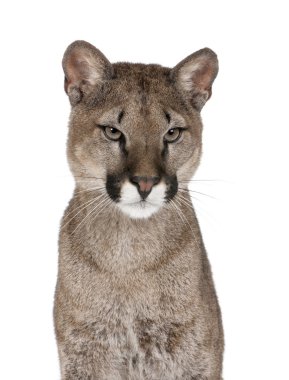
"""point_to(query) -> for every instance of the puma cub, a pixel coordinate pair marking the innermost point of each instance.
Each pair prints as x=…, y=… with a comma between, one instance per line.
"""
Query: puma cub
x=135, y=298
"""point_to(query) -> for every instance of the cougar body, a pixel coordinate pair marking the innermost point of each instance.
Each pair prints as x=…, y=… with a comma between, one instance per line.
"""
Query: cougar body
x=135, y=298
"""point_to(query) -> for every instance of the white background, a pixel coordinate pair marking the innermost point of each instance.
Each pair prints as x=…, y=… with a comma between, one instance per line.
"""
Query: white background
x=245, y=152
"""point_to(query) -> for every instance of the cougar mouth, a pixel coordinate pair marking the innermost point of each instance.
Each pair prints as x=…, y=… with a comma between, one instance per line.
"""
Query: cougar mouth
x=131, y=200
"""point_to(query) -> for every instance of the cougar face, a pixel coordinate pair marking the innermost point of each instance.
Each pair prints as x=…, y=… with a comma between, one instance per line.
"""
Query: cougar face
x=135, y=129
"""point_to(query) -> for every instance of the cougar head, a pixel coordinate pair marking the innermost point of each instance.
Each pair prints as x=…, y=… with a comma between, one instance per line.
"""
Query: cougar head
x=135, y=129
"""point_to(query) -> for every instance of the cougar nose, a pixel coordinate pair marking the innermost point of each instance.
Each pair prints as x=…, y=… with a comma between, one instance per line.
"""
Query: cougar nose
x=145, y=184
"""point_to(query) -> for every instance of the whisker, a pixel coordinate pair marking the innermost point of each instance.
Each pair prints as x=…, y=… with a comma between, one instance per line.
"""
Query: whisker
x=87, y=181
x=107, y=204
x=178, y=211
x=93, y=188
x=185, y=201
x=197, y=192
x=187, y=222
x=89, y=177
x=188, y=202
x=83, y=220
x=183, y=218
x=82, y=207
x=80, y=178
x=194, y=198
x=201, y=180
x=83, y=204
x=199, y=210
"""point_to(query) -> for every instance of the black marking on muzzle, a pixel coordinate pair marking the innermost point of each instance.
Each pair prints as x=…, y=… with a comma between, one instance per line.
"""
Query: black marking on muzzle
x=172, y=187
x=113, y=185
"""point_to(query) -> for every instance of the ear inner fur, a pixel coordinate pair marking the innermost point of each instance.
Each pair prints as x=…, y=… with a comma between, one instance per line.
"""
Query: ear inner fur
x=84, y=66
x=195, y=76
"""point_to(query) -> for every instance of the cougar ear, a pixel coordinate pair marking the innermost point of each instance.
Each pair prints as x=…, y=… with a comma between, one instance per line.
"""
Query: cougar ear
x=195, y=75
x=84, y=66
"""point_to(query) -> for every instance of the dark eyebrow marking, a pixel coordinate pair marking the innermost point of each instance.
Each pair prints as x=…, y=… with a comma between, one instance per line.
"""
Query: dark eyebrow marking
x=168, y=117
x=120, y=116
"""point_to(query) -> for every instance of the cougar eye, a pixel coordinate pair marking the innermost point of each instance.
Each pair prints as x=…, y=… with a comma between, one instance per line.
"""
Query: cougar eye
x=112, y=133
x=173, y=135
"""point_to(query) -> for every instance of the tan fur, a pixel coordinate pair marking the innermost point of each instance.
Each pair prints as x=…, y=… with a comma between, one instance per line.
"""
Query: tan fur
x=135, y=298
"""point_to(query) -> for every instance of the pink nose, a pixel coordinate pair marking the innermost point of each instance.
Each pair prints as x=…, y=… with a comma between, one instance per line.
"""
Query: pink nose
x=145, y=184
